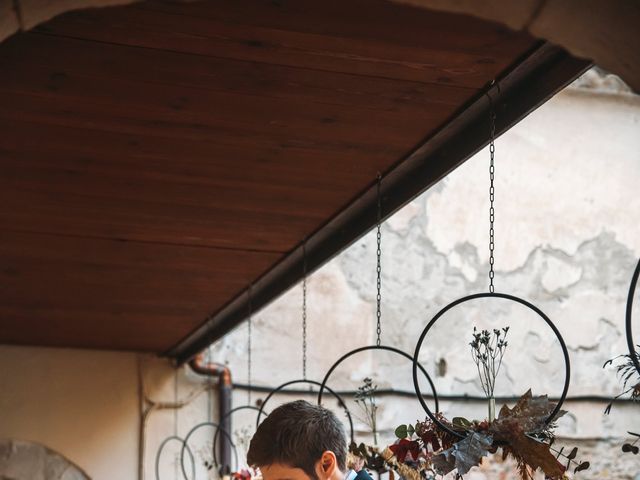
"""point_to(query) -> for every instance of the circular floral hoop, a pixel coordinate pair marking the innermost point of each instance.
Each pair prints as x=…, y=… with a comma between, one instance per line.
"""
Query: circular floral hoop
x=222, y=419
x=161, y=448
x=505, y=296
x=185, y=444
x=377, y=347
x=630, y=343
x=309, y=382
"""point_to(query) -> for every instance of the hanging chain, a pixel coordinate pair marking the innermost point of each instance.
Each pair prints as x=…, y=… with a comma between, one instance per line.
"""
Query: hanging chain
x=209, y=387
x=304, y=311
x=379, y=266
x=175, y=420
x=175, y=401
x=492, y=170
x=249, y=332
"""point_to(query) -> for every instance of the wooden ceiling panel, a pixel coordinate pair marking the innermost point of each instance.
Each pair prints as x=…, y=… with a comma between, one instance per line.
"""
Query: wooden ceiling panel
x=298, y=46
x=94, y=293
x=51, y=61
x=109, y=185
x=158, y=158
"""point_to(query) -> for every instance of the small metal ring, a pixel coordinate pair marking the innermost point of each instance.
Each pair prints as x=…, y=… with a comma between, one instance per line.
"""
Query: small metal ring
x=222, y=419
x=505, y=296
x=159, y=453
x=377, y=347
x=310, y=382
x=630, y=343
x=185, y=444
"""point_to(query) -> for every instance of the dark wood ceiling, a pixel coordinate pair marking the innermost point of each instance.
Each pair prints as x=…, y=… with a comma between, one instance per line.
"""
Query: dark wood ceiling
x=157, y=158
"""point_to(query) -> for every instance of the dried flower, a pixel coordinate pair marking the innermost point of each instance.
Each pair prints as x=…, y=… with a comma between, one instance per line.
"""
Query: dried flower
x=487, y=350
x=365, y=398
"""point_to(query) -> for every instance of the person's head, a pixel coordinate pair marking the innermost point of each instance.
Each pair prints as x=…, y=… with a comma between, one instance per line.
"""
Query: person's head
x=299, y=441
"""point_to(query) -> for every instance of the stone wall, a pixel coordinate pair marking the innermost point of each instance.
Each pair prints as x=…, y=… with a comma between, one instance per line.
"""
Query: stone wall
x=567, y=239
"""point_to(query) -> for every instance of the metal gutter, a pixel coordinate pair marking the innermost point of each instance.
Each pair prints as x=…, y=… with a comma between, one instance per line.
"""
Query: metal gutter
x=529, y=83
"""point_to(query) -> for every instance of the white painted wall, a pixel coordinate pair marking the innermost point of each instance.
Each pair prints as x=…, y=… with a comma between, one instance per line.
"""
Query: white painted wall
x=85, y=405
x=81, y=404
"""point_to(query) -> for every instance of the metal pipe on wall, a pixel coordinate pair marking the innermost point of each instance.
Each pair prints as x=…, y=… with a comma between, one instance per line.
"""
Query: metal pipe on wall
x=225, y=390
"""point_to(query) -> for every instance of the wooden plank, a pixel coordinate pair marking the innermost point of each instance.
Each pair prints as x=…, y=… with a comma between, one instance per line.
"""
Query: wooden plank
x=208, y=37
x=224, y=118
x=51, y=60
x=90, y=293
x=100, y=152
x=106, y=185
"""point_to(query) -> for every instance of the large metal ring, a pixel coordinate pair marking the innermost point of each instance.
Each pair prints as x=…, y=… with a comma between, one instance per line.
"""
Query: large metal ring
x=222, y=419
x=377, y=347
x=185, y=444
x=161, y=448
x=512, y=298
x=309, y=382
x=630, y=343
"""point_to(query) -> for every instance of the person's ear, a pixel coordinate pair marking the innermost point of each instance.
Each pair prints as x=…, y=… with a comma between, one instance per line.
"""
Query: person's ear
x=327, y=465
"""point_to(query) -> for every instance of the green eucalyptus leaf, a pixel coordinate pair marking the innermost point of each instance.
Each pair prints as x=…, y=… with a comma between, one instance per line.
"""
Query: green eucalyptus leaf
x=402, y=432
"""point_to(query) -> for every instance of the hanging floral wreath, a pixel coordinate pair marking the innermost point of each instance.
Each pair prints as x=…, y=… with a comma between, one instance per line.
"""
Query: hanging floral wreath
x=523, y=432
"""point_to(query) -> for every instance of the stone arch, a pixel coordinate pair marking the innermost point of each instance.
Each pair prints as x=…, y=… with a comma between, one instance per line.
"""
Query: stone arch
x=22, y=460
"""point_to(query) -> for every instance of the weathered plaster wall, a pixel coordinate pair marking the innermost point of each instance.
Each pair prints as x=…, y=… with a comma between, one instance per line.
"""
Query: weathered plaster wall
x=567, y=239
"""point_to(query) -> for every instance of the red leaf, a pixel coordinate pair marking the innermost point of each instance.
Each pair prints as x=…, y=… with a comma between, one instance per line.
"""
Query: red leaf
x=404, y=447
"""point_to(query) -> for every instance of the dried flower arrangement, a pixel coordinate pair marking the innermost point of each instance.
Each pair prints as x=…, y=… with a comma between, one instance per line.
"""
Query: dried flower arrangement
x=522, y=432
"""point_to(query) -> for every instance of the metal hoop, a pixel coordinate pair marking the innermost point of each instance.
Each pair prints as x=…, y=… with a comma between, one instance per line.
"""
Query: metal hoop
x=377, y=347
x=630, y=343
x=185, y=444
x=310, y=382
x=222, y=419
x=159, y=453
x=512, y=298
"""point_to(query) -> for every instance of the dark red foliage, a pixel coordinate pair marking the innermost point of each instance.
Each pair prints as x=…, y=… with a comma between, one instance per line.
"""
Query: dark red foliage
x=404, y=447
x=429, y=437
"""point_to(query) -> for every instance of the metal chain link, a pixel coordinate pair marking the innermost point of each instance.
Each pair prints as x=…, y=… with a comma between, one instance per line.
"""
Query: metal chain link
x=304, y=311
x=175, y=401
x=249, y=346
x=209, y=387
x=379, y=266
x=492, y=216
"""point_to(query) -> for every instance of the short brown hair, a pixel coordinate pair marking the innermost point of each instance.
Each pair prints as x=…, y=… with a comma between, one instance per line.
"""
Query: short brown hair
x=297, y=434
